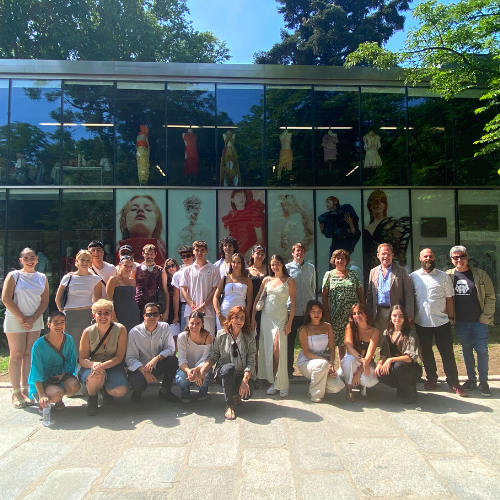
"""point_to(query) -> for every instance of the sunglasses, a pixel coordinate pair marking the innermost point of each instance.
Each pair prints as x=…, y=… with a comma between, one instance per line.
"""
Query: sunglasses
x=459, y=257
x=234, y=346
x=186, y=256
x=151, y=315
x=170, y=266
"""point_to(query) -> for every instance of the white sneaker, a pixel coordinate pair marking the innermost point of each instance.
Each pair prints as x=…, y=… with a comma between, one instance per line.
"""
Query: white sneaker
x=271, y=390
x=284, y=393
x=363, y=391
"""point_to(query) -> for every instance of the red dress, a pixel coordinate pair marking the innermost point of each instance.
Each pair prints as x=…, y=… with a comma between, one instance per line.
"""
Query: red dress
x=191, y=160
x=242, y=223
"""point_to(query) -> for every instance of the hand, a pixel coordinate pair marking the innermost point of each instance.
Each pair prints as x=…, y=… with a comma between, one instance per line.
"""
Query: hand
x=452, y=321
x=200, y=308
x=254, y=324
x=149, y=377
x=176, y=320
x=366, y=367
x=152, y=364
x=412, y=323
x=28, y=323
x=191, y=374
x=321, y=226
x=44, y=402
x=200, y=378
x=244, y=388
x=331, y=371
x=349, y=221
x=97, y=369
x=221, y=317
x=356, y=379
x=288, y=328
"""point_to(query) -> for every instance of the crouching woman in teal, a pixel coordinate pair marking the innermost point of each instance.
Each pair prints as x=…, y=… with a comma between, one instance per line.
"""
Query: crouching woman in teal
x=53, y=364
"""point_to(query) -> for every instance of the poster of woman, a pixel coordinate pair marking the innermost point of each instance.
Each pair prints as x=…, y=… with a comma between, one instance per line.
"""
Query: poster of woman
x=242, y=215
x=291, y=220
x=140, y=220
x=191, y=217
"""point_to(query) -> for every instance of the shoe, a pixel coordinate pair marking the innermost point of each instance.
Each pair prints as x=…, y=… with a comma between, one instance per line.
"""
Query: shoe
x=257, y=384
x=27, y=399
x=237, y=400
x=410, y=400
x=316, y=400
x=284, y=393
x=136, y=397
x=350, y=397
x=168, y=396
x=16, y=402
x=430, y=384
x=186, y=400
x=107, y=399
x=202, y=397
x=230, y=417
x=271, y=391
x=458, y=390
x=485, y=389
x=363, y=391
x=59, y=406
x=470, y=385
x=92, y=406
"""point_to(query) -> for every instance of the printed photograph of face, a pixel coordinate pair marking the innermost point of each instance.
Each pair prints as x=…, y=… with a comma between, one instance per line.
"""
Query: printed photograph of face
x=141, y=221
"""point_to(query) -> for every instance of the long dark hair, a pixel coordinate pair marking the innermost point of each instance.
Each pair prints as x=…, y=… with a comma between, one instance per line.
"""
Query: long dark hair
x=406, y=325
x=251, y=261
x=279, y=258
x=244, y=271
x=309, y=306
x=197, y=314
x=353, y=325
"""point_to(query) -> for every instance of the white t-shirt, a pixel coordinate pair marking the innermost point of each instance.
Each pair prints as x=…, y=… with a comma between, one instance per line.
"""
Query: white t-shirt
x=176, y=281
x=81, y=290
x=105, y=273
x=199, y=282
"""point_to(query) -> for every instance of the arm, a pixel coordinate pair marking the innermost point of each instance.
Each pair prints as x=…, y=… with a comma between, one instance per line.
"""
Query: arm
x=249, y=296
x=84, y=352
x=304, y=345
x=110, y=291
x=215, y=300
x=450, y=309
x=254, y=310
x=326, y=306
x=59, y=294
x=370, y=351
x=369, y=294
x=176, y=299
x=331, y=345
x=164, y=281
x=120, y=350
x=182, y=353
x=8, y=302
x=187, y=298
x=349, y=343
x=29, y=322
x=292, y=288
x=489, y=301
x=97, y=291
x=313, y=282
x=132, y=357
x=409, y=297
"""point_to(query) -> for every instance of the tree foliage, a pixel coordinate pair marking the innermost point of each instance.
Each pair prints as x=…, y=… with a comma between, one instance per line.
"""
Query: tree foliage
x=323, y=32
x=455, y=47
x=105, y=30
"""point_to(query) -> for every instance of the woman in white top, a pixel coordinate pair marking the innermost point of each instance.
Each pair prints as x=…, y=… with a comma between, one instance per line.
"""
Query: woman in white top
x=237, y=287
x=315, y=337
x=25, y=296
x=84, y=288
x=194, y=345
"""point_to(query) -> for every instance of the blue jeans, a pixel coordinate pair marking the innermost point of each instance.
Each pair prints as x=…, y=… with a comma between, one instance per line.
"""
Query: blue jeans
x=181, y=379
x=474, y=336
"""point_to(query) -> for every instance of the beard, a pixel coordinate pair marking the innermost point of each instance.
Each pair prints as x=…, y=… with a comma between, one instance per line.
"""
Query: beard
x=428, y=265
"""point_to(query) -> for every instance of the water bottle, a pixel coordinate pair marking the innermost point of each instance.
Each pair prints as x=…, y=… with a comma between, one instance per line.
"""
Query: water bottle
x=46, y=416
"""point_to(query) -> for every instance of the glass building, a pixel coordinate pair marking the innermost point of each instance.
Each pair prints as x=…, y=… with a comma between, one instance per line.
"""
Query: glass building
x=329, y=156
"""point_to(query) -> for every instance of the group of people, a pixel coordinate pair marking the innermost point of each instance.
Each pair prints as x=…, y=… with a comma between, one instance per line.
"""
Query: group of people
x=121, y=328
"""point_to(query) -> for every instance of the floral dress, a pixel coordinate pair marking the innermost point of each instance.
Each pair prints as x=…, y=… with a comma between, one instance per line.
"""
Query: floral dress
x=342, y=296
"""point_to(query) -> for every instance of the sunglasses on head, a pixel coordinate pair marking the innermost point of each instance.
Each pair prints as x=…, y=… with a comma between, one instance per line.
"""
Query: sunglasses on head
x=151, y=315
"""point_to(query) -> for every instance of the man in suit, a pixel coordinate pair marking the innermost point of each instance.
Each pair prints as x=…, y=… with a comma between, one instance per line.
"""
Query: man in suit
x=389, y=284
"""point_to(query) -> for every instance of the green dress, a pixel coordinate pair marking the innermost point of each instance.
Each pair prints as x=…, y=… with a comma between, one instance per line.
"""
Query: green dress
x=342, y=296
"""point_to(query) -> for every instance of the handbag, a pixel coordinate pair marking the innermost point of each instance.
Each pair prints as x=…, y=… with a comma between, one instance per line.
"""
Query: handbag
x=64, y=297
x=262, y=299
x=15, y=284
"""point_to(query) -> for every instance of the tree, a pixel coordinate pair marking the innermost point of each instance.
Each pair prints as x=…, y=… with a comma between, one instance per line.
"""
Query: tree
x=455, y=47
x=107, y=30
x=325, y=31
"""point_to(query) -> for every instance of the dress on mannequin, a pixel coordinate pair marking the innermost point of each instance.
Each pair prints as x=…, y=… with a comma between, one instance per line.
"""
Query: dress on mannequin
x=229, y=168
x=142, y=154
x=191, y=159
x=68, y=262
x=371, y=143
x=329, y=144
x=286, y=154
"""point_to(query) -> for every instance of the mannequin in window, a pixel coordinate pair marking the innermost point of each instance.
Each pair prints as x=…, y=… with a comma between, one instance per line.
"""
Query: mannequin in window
x=229, y=168
x=142, y=154
x=108, y=256
x=371, y=143
x=329, y=144
x=68, y=262
x=191, y=153
x=286, y=155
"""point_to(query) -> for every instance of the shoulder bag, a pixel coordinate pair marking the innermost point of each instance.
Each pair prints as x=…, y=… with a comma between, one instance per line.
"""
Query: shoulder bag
x=262, y=299
x=64, y=297
x=105, y=336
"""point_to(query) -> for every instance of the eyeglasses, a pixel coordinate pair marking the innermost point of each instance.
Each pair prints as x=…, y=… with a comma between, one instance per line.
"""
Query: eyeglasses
x=459, y=257
x=186, y=256
x=151, y=315
x=234, y=346
x=170, y=266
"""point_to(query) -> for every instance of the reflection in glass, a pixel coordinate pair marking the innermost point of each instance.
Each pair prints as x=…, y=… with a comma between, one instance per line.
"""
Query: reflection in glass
x=35, y=132
x=4, y=108
x=88, y=133
x=140, y=134
x=191, y=134
x=240, y=122
x=2, y=235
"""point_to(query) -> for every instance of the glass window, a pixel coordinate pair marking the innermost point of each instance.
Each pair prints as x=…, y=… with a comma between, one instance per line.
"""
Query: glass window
x=240, y=122
x=433, y=214
x=86, y=217
x=336, y=136
x=2, y=235
x=430, y=139
x=88, y=134
x=34, y=223
x=35, y=132
x=479, y=229
x=383, y=119
x=289, y=136
x=140, y=134
x=191, y=134
x=4, y=129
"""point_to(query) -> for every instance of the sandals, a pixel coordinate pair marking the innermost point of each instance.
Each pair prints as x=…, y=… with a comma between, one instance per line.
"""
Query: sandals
x=27, y=399
x=16, y=402
x=229, y=407
x=59, y=406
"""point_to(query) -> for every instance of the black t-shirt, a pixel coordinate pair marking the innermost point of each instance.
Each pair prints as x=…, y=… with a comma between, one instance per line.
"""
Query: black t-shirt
x=466, y=304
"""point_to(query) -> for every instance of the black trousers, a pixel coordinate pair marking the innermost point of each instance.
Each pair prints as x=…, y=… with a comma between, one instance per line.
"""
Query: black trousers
x=166, y=367
x=444, y=342
x=403, y=375
x=296, y=324
x=230, y=381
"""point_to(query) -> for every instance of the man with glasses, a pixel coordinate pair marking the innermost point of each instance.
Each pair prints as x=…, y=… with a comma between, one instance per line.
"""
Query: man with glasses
x=186, y=254
x=151, y=353
x=126, y=250
x=474, y=310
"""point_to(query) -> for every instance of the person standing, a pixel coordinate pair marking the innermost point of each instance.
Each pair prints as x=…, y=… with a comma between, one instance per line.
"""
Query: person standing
x=304, y=275
x=474, y=302
x=149, y=279
x=99, y=267
x=198, y=284
x=186, y=254
x=227, y=247
x=433, y=319
x=126, y=251
x=389, y=285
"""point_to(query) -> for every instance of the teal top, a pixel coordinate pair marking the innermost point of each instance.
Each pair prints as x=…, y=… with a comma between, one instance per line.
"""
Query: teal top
x=47, y=362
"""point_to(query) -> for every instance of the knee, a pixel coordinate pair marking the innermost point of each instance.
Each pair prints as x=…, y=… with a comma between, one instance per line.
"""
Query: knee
x=181, y=378
x=321, y=366
x=119, y=391
x=16, y=356
x=56, y=394
x=96, y=380
x=400, y=366
x=72, y=386
x=229, y=370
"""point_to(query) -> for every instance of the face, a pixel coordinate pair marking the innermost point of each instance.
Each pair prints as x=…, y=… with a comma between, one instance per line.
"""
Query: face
x=385, y=256
x=187, y=258
x=298, y=253
x=239, y=200
x=84, y=262
x=200, y=252
x=316, y=313
x=397, y=318
x=238, y=321
x=171, y=268
x=57, y=325
x=459, y=259
x=195, y=325
x=151, y=317
x=126, y=267
x=28, y=260
x=149, y=257
x=192, y=214
x=276, y=266
x=141, y=218
x=358, y=315
x=102, y=316
x=427, y=259
x=340, y=261
x=228, y=248
x=236, y=263
x=258, y=256
x=330, y=204
x=97, y=253
x=378, y=206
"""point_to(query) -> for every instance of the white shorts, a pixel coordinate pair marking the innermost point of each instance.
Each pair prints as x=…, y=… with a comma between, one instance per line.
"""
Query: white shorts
x=12, y=325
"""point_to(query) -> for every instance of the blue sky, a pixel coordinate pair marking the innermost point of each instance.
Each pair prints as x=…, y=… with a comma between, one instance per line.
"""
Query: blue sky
x=252, y=25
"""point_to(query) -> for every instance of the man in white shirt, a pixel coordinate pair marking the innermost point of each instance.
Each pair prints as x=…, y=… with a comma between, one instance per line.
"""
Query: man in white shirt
x=433, y=319
x=186, y=254
x=99, y=267
x=198, y=284
x=151, y=353
x=304, y=275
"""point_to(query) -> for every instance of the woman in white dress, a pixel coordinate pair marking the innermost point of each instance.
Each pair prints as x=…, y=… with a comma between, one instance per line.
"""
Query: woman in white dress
x=276, y=324
x=25, y=296
x=236, y=288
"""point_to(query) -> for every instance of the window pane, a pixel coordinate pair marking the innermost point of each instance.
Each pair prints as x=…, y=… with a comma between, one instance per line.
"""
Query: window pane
x=35, y=132
x=2, y=235
x=191, y=134
x=88, y=133
x=4, y=108
x=336, y=136
x=140, y=134
x=240, y=122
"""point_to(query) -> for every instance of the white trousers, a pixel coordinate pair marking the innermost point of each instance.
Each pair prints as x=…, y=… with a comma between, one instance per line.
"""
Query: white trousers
x=317, y=371
x=350, y=364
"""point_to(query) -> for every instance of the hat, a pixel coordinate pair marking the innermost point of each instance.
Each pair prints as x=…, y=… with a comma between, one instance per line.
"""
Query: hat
x=126, y=247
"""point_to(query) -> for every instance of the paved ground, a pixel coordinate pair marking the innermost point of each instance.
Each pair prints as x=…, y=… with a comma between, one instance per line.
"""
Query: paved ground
x=446, y=448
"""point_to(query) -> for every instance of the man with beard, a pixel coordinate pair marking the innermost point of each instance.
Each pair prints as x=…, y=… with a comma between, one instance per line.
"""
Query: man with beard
x=433, y=319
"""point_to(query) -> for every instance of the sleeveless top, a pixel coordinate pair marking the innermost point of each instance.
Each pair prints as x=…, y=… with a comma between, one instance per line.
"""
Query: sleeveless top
x=146, y=284
x=28, y=291
x=108, y=351
x=317, y=345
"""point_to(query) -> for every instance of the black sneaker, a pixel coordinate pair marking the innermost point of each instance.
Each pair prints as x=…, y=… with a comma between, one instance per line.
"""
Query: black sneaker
x=485, y=389
x=410, y=400
x=470, y=385
x=92, y=406
x=168, y=396
x=136, y=397
x=107, y=399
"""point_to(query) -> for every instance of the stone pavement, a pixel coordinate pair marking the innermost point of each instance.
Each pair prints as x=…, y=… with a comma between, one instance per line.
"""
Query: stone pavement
x=446, y=448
